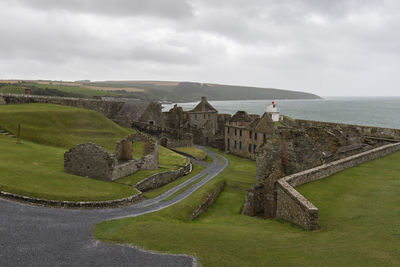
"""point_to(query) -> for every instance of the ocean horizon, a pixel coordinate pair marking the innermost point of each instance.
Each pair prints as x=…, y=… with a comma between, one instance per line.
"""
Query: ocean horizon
x=368, y=110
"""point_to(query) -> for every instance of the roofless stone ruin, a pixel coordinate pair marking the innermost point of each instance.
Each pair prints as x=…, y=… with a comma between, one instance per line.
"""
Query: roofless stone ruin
x=90, y=160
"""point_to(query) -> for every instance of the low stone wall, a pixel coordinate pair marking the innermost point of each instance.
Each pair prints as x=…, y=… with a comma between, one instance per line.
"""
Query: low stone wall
x=293, y=207
x=159, y=179
x=109, y=109
x=74, y=204
x=210, y=199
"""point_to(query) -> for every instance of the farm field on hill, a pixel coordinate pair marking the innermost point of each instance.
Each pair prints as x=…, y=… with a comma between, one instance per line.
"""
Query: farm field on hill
x=359, y=220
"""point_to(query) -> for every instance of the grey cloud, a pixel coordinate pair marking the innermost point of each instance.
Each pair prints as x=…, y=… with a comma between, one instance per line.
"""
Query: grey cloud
x=272, y=43
x=169, y=9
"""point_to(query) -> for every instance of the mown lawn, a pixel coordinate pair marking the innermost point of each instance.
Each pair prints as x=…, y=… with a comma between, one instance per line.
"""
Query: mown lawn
x=192, y=151
x=61, y=126
x=158, y=191
x=359, y=220
x=167, y=160
x=37, y=170
x=35, y=167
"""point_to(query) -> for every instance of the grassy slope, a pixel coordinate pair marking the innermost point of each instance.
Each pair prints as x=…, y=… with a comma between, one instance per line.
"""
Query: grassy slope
x=60, y=126
x=37, y=170
x=359, y=226
x=156, y=192
x=192, y=151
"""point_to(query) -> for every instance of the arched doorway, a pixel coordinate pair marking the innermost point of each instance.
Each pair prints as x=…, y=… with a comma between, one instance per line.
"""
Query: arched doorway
x=164, y=141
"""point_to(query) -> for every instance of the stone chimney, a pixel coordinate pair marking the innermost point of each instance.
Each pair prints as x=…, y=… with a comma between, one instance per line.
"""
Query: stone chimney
x=203, y=99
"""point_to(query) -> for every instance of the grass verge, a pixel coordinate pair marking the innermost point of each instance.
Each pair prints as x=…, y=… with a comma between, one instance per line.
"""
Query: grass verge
x=156, y=192
x=192, y=151
x=37, y=171
x=167, y=160
x=359, y=219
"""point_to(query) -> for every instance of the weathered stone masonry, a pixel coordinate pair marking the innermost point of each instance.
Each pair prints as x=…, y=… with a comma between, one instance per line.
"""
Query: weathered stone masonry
x=293, y=207
x=90, y=160
x=306, y=145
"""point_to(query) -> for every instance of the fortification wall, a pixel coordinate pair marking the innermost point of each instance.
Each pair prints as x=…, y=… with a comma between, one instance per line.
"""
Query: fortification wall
x=295, y=208
x=110, y=109
x=364, y=130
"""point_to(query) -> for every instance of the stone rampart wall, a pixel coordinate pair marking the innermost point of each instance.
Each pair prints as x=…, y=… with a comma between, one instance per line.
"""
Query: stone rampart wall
x=159, y=179
x=109, y=109
x=210, y=199
x=293, y=207
x=364, y=130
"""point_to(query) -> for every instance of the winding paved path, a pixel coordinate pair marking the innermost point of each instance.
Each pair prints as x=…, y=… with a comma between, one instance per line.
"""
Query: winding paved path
x=40, y=236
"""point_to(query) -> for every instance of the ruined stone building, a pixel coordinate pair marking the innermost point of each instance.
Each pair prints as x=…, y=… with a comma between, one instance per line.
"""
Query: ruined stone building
x=90, y=160
x=303, y=146
x=245, y=133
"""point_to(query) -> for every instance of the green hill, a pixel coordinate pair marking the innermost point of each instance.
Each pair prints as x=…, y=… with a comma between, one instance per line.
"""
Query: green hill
x=153, y=90
x=36, y=166
x=60, y=126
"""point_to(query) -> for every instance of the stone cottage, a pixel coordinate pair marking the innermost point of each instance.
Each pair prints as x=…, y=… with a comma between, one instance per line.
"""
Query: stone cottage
x=245, y=133
x=90, y=160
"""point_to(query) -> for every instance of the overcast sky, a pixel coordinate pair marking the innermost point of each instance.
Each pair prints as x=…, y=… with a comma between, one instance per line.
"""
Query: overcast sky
x=340, y=47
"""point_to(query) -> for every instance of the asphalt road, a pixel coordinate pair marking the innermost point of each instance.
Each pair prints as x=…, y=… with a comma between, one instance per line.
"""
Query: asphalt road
x=41, y=236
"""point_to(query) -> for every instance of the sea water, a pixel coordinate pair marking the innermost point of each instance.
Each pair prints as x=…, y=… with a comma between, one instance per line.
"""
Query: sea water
x=371, y=111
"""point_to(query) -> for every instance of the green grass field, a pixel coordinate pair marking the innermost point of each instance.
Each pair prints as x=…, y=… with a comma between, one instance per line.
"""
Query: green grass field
x=156, y=192
x=359, y=220
x=167, y=160
x=35, y=167
x=192, y=151
x=61, y=126
x=37, y=171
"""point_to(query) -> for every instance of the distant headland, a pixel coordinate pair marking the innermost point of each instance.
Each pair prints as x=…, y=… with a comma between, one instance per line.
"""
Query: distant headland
x=149, y=90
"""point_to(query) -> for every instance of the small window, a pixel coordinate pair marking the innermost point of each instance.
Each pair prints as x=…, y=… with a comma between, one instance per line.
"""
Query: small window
x=250, y=148
x=255, y=135
x=229, y=130
x=151, y=122
x=254, y=149
x=240, y=133
x=240, y=145
x=251, y=134
x=234, y=144
x=204, y=116
x=206, y=140
x=235, y=131
x=270, y=115
x=265, y=138
x=228, y=144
